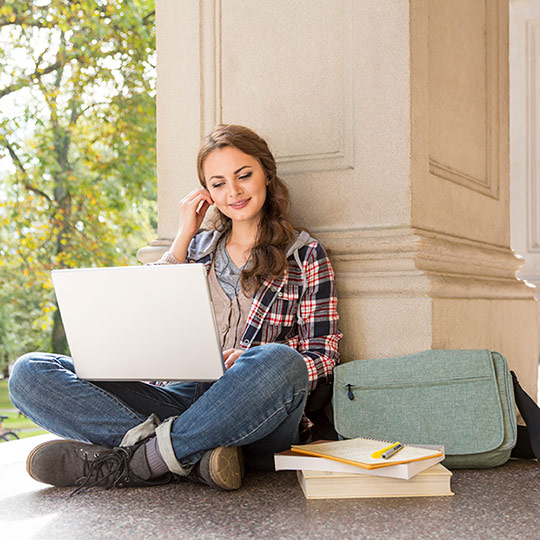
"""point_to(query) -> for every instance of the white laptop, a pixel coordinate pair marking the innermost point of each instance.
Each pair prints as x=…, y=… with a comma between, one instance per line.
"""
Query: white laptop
x=140, y=322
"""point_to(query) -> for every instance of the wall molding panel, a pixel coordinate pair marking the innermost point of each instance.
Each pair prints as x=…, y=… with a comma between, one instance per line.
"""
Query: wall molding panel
x=533, y=128
x=231, y=92
x=211, y=69
x=449, y=158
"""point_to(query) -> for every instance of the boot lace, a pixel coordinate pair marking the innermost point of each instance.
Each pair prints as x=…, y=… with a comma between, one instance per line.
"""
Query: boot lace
x=106, y=471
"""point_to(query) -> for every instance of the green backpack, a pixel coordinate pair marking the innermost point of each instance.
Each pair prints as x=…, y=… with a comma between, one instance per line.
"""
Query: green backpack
x=463, y=399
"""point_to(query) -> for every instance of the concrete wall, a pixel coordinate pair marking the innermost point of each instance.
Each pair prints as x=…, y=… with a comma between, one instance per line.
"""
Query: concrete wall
x=389, y=121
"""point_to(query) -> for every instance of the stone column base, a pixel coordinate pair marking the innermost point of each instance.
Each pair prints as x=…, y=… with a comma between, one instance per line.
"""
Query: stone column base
x=404, y=290
x=154, y=251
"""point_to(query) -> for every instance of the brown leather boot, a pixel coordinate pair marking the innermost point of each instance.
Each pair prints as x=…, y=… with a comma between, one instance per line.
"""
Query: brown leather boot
x=221, y=468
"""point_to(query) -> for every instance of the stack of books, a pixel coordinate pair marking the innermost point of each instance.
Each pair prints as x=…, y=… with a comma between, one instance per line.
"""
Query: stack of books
x=348, y=469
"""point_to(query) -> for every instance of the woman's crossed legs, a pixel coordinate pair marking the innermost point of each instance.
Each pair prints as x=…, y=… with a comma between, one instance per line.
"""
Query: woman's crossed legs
x=257, y=404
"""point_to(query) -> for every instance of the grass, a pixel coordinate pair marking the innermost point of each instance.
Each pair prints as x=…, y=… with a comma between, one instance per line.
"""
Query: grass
x=16, y=421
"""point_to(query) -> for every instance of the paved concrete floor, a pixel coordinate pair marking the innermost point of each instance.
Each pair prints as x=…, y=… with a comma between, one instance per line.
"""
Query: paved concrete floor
x=493, y=503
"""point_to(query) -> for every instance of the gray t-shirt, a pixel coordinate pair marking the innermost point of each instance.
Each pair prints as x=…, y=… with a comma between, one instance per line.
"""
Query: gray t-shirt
x=227, y=273
x=231, y=304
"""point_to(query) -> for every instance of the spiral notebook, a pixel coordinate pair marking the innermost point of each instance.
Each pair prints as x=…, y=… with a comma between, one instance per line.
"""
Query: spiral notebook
x=358, y=452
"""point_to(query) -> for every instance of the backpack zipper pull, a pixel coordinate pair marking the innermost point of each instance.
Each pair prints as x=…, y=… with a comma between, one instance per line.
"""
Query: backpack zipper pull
x=350, y=392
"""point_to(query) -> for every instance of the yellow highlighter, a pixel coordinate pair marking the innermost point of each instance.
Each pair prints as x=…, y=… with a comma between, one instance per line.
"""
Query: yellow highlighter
x=379, y=453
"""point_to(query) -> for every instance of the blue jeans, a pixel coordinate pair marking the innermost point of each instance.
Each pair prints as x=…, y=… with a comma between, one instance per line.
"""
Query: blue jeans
x=256, y=404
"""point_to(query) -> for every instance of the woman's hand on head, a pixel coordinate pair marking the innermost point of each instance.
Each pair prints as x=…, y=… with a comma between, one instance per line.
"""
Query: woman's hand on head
x=230, y=356
x=192, y=209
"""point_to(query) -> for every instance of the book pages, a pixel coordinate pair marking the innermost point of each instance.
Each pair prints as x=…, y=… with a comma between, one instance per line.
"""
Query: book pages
x=432, y=482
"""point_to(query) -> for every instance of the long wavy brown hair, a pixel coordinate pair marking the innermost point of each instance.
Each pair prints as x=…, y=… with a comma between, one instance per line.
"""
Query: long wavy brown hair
x=275, y=228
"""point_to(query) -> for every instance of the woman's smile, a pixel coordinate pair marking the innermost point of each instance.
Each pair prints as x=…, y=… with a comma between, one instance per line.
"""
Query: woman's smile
x=240, y=204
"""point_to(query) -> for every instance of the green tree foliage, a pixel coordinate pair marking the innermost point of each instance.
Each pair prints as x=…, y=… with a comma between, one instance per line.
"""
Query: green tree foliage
x=77, y=151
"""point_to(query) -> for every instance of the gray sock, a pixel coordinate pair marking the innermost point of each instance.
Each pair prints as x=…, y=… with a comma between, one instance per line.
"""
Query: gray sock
x=155, y=461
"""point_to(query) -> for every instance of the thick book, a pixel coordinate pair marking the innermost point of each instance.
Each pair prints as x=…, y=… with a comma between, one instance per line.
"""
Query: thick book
x=433, y=482
x=293, y=461
x=358, y=452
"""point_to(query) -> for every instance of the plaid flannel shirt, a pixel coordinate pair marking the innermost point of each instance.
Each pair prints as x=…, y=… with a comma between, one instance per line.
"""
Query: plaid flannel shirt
x=299, y=309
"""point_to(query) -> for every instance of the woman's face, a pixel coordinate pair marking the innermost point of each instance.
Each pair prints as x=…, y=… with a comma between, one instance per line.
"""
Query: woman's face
x=236, y=182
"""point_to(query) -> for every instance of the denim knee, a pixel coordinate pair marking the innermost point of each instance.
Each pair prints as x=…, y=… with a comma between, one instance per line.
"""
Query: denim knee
x=284, y=362
x=21, y=374
x=26, y=373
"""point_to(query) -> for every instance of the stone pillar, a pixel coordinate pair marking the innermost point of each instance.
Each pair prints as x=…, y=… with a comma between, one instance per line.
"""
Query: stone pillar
x=389, y=121
x=525, y=134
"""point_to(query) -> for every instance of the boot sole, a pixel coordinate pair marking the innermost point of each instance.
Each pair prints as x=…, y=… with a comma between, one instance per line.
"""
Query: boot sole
x=37, y=449
x=227, y=467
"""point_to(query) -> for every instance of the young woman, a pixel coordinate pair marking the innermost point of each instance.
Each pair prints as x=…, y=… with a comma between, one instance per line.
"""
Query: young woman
x=273, y=292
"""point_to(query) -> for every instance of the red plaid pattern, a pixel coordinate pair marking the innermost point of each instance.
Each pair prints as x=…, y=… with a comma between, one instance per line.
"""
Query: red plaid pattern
x=299, y=309
x=274, y=313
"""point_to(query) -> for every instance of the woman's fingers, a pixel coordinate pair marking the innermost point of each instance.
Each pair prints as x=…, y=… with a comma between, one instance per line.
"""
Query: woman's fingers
x=196, y=196
x=227, y=353
x=232, y=356
x=202, y=208
x=193, y=208
x=195, y=202
x=191, y=212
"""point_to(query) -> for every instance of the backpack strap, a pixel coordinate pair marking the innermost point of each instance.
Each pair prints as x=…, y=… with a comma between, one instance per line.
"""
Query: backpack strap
x=316, y=410
x=528, y=437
